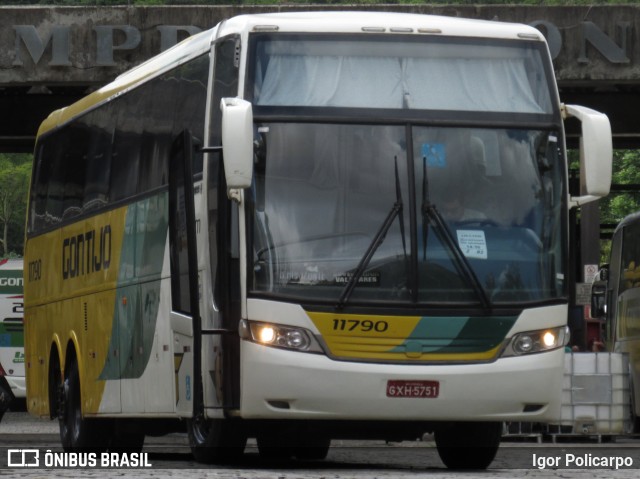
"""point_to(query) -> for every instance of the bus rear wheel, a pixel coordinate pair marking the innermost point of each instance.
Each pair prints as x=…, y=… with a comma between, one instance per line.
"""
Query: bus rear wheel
x=468, y=445
x=216, y=440
x=78, y=433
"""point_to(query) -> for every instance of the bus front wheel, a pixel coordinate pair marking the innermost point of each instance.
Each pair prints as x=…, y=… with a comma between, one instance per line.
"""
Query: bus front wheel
x=314, y=448
x=215, y=440
x=468, y=445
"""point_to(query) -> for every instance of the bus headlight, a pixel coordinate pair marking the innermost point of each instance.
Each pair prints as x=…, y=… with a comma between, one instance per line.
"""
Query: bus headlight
x=279, y=336
x=537, y=341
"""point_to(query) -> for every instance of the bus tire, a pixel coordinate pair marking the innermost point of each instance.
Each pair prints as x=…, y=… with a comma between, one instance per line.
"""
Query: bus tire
x=468, y=445
x=215, y=441
x=78, y=434
x=276, y=445
x=312, y=448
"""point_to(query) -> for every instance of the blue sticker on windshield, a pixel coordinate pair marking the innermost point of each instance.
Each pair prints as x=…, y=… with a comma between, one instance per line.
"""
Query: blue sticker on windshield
x=434, y=155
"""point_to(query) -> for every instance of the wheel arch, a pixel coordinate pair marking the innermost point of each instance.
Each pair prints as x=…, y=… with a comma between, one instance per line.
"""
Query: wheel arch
x=72, y=353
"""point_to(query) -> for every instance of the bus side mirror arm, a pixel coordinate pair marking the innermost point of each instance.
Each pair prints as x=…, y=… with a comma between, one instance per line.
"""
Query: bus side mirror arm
x=596, y=153
x=237, y=145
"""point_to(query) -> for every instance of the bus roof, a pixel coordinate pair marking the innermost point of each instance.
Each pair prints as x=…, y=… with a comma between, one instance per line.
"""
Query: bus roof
x=320, y=22
x=627, y=220
x=189, y=48
x=378, y=22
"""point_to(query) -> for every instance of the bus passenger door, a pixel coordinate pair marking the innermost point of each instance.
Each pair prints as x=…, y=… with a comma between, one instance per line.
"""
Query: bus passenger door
x=185, y=314
x=220, y=332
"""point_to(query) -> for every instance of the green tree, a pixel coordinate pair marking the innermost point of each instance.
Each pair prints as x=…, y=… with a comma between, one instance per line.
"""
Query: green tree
x=613, y=208
x=15, y=172
x=626, y=171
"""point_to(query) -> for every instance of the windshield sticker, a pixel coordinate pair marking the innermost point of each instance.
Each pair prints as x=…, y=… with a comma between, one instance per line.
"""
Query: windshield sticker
x=434, y=155
x=368, y=278
x=473, y=243
x=312, y=276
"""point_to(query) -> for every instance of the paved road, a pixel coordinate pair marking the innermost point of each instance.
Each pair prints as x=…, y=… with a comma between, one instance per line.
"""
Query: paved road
x=170, y=458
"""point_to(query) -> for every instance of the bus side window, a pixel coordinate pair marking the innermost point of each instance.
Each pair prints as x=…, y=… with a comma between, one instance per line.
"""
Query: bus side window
x=124, y=168
x=630, y=262
x=97, y=160
x=191, y=84
x=55, y=177
x=39, y=186
x=629, y=286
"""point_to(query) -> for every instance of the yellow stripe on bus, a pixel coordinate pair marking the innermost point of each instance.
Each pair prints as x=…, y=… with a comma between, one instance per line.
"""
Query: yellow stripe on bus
x=77, y=278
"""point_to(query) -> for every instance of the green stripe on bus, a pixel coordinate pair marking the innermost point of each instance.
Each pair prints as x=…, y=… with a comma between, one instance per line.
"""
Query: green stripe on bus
x=454, y=335
x=138, y=297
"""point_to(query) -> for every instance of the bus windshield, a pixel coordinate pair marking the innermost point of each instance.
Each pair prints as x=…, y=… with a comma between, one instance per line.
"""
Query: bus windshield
x=322, y=193
x=355, y=201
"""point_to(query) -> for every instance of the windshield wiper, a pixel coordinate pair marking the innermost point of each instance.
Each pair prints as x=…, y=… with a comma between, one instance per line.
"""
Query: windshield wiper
x=430, y=215
x=396, y=211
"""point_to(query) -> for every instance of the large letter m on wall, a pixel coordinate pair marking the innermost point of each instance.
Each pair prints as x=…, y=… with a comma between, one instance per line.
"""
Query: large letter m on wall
x=28, y=35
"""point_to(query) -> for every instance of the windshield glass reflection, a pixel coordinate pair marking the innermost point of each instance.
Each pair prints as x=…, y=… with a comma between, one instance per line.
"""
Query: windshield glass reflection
x=323, y=191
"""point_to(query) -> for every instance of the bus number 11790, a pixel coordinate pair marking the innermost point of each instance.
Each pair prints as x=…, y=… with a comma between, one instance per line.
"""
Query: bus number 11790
x=365, y=325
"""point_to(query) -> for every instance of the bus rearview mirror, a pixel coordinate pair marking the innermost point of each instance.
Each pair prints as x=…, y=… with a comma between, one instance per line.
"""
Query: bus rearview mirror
x=596, y=153
x=599, y=300
x=237, y=142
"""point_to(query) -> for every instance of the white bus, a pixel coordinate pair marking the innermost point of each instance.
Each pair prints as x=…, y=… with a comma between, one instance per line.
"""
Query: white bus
x=11, y=327
x=307, y=226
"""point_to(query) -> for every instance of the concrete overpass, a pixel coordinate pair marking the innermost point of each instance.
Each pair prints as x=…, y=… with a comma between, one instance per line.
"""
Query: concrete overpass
x=51, y=56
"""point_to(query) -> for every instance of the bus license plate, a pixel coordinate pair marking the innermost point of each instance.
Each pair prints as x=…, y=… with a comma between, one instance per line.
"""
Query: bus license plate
x=412, y=389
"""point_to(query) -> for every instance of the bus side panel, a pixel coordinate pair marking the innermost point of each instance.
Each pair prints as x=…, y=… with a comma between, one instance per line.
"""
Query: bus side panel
x=147, y=384
x=142, y=372
x=158, y=379
x=104, y=291
x=628, y=334
x=101, y=306
x=77, y=265
x=36, y=342
x=42, y=278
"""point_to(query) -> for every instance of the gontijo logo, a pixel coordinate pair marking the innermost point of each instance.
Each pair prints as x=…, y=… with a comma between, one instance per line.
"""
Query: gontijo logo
x=86, y=253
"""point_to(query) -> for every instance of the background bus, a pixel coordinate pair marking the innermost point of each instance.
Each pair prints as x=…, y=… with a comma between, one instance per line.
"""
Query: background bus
x=11, y=326
x=255, y=233
x=615, y=293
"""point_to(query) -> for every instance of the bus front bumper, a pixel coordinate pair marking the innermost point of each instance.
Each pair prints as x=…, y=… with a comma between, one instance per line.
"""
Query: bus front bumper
x=281, y=384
